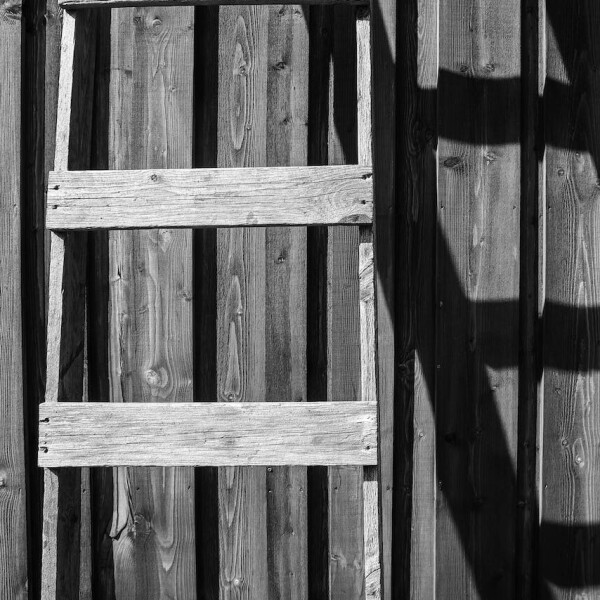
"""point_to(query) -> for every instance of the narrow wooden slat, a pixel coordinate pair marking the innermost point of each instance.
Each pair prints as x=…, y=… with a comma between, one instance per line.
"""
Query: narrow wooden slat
x=62, y=491
x=13, y=527
x=209, y=197
x=151, y=283
x=477, y=248
x=207, y=433
x=384, y=42
x=415, y=229
x=77, y=4
x=286, y=331
x=366, y=273
x=241, y=288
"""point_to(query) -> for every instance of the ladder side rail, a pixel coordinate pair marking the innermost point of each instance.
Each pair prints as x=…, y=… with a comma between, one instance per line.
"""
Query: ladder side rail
x=66, y=308
x=367, y=308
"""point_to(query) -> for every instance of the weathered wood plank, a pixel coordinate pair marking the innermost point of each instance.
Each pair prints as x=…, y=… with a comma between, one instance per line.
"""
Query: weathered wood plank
x=78, y=4
x=286, y=332
x=570, y=506
x=366, y=273
x=415, y=444
x=477, y=263
x=66, y=309
x=207, y=433
x=151, y=283
x=384, y=44
x=346, y=540
x=243, y=33
x=13, y=528
x=209, y=197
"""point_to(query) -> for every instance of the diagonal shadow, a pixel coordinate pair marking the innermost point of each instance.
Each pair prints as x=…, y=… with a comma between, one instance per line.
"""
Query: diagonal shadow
x=568, y=344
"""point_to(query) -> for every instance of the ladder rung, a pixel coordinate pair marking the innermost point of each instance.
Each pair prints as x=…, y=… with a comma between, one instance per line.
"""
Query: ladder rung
x=330, y=195
x=75, y=4
x=80, y=434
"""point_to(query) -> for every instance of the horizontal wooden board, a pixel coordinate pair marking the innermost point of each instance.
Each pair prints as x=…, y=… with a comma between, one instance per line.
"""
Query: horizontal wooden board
x=75, y=4
x=210, y=197
x=207, y=434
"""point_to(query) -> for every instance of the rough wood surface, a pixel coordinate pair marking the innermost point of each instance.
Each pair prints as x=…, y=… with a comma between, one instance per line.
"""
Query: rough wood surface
x=346, y=545
x=209, y=197
x=207, y=433
x=76, y=4
x=477, y=270
x=415, y=444
x=66, y=309
x=286, y=332
x=570, y=507
x=151, y=289
x=243, y=33
x=13, y=530
x=366, y=273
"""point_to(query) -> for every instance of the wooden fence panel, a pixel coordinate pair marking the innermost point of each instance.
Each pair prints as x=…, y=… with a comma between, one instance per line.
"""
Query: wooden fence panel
x=151, y=289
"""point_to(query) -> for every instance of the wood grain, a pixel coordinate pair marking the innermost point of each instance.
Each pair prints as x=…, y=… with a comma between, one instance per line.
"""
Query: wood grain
x=207, y=433
x=415, y=443
x=286, y=319
x=366, y=273
x=150, y=298
x=570, y=511
x=13, y=530
x=346, y=540
x=78, y=4
x=241, y=142
x=477, y=268
x=209, y=197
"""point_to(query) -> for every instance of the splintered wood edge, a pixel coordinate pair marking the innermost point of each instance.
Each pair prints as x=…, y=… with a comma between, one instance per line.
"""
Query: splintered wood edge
x=208, y=434
x=88, y=200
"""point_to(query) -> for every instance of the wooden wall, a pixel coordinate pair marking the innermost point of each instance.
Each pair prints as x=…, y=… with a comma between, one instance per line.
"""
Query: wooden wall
x=489, y=325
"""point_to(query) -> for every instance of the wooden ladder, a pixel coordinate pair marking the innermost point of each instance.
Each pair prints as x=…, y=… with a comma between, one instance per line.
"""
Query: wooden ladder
x=75, y=434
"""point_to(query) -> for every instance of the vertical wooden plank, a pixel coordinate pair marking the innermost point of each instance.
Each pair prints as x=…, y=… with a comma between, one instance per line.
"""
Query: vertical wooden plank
x=346, y=560
x=13, y=530
x=414, y=528
x=383, y=37
x=287, y=116
x=570, y=511
x=531, y=307
x=205, y=295
x=366, y=273
x=243, y=33
x=477, y=297
x=66, y=308
x=150, y=296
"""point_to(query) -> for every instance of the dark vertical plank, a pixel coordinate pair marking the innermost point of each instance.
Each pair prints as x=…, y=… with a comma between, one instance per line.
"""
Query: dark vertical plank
x=151, y=292
x=34, y=288
x=285, y=352
x=477, y=297
x=570, y=511
x=243, y=33
x=531, y=303
x=101, y=480
x=384, y=46
x=205, y=294
x=414, y=529
x=13, y=532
